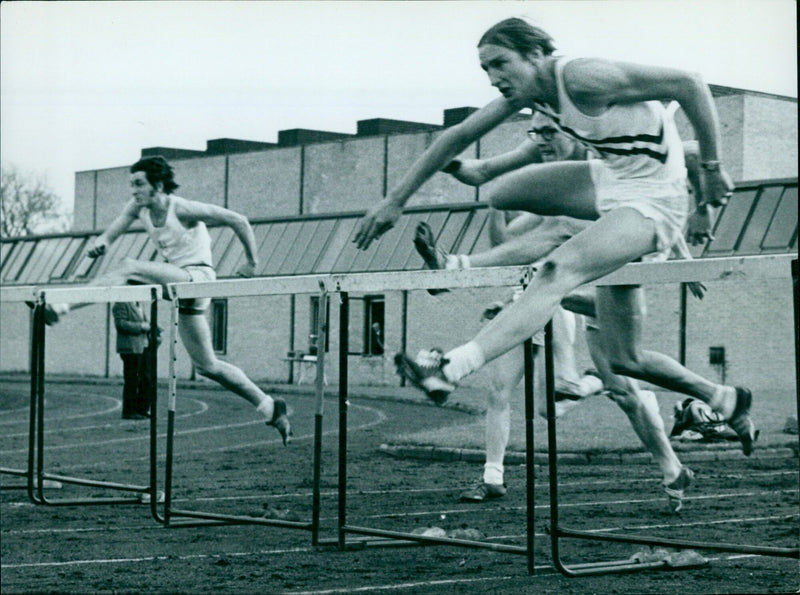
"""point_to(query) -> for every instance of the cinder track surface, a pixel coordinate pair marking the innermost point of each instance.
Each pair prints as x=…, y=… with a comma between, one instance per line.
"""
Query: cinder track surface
x=227, y=461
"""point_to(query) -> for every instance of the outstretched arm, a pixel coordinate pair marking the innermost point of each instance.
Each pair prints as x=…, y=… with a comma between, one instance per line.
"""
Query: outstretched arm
x=117, y=228
x=475, y=172
x=192, y=211
x=382, y=217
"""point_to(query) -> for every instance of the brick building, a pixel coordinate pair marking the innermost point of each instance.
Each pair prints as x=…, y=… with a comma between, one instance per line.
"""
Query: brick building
x=304, y=194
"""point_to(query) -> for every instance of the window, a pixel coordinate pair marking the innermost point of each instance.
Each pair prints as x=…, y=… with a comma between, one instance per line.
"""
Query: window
x=373, y=324
x=219, y=325
x=313, y=324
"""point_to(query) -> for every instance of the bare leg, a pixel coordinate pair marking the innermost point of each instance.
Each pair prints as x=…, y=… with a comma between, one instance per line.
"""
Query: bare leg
x=506, y=375
x=196, y=337
x=621, y=309
x=616, y=239
x=640, y=407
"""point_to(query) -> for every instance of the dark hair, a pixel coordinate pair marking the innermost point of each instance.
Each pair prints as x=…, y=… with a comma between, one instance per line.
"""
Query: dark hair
x=156, y=169
x=518, y=35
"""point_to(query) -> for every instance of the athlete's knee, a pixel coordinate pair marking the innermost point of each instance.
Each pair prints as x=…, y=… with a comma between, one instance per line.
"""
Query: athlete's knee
x=208, y=370
x=628, y=363
x=627, y=400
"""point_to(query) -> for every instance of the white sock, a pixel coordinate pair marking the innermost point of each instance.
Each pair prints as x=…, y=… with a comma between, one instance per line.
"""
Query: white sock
x=464, y=360
x=452, y=262
x=493, y=473
x=465, y=261
x=267, y=408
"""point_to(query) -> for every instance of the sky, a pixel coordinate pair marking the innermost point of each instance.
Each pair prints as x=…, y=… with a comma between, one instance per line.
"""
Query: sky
x=87, y=85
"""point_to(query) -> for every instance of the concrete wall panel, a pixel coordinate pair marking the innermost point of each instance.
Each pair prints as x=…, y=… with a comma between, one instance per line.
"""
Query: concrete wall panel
x=343, y=176
x=265, y=184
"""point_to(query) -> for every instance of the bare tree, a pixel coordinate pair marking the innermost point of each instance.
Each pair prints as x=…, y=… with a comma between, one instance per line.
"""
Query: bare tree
x=28, y=205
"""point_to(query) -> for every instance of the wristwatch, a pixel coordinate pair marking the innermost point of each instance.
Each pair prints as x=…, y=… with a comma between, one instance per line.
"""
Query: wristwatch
x=712, y=165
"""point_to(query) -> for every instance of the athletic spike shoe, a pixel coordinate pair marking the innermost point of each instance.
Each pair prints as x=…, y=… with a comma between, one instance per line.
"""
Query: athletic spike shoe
x=426, y=374
x=674, y=491
x=483, y=491
x=280, y=421
x=740, y=421
x=435, y=258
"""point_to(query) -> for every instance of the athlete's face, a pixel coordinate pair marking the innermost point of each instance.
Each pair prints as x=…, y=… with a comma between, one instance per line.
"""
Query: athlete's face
x=554, y=145
x=142, y=190
x=514, y=75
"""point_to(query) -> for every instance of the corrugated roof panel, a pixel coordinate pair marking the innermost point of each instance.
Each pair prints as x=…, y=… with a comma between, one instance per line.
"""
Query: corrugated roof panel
x=473, y=232
x=281, y=249
x=272, y=236
x=784, y=224
x=50, y=251
x=82, y=268
x=349, y=252
x=342, y=231
x=225, y=259
x=731, y=222
x=220, y=242
x=118, y=250
x=319, y=240
x=20, y=259
x=5, y=249
x=453, y=230
x=34, y=268
x=303, y=232
x=760, y=220
x=404, y=257
x=60, y=269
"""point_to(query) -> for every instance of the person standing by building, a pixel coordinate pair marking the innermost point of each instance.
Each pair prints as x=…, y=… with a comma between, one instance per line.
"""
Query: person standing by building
x=133, y=327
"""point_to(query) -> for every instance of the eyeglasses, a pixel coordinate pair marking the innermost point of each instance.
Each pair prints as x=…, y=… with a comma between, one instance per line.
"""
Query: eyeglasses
x=546, y=132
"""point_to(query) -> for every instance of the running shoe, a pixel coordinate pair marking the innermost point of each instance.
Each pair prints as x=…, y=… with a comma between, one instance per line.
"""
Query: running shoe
x=435, y=258
x=280, y=421
x=675, y=490
x=483, y=491
x=426, y=374
x=740, y=421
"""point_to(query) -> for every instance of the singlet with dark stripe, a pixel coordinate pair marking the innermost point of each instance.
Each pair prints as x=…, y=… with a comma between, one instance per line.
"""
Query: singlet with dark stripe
x=178, y=244
x=635, y=140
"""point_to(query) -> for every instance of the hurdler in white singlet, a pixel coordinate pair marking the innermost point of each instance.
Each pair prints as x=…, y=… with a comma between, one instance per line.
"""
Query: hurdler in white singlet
x=178, y=244
x=637, y=141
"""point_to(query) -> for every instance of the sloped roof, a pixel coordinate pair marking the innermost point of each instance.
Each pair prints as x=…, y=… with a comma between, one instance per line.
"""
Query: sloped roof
x=761, y=218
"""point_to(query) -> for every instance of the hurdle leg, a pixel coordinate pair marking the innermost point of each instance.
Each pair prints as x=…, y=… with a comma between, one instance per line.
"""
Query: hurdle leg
x=36, y=441
x=322, y=329
x=625, y=566
x=529, y=451
x=199, y=518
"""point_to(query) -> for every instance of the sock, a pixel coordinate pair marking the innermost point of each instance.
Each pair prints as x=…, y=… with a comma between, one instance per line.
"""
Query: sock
x=465, y=261
x=464, y=360
x=452, y=262
x=267, y=408
x=493, y=473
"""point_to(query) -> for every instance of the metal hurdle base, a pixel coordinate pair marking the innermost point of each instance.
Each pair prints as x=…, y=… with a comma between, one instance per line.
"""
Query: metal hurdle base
x=374, y=537
x=37, y=478
x=621, y=566
x=198, y=518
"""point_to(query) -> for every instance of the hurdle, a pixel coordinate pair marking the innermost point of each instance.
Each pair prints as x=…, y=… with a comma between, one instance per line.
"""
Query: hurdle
x=305, y=284
x=418, y=280
x=21, y=294
x=36, y=452
x=739, y=269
